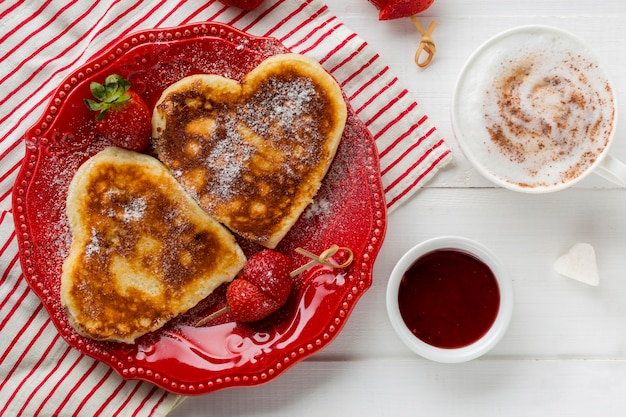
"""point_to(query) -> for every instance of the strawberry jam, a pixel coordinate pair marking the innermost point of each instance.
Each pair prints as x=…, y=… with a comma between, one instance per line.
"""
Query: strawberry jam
x=449, y=298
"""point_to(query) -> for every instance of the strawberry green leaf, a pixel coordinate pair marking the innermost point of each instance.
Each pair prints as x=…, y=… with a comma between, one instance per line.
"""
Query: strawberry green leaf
x=93, y=105
x=112, y=93
x=97, y=90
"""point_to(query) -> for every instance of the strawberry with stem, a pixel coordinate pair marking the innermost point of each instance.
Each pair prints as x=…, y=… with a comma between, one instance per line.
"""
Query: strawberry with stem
x=122, y=116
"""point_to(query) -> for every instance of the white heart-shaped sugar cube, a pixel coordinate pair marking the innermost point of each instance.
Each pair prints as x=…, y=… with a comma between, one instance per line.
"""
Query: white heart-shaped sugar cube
x=579, y=263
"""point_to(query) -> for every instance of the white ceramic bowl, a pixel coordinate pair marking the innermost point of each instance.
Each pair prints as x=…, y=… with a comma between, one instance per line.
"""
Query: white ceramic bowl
x=489, y=339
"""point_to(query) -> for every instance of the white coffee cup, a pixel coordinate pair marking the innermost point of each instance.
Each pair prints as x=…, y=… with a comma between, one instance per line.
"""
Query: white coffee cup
x=534, y=111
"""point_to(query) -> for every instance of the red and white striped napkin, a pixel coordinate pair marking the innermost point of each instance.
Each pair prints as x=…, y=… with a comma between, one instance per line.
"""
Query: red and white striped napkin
x=40, y=42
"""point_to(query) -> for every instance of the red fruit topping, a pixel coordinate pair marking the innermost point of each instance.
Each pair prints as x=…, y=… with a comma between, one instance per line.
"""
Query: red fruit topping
x=122, y=115
x=263, y=287
x=266, y=281
x=395, y=9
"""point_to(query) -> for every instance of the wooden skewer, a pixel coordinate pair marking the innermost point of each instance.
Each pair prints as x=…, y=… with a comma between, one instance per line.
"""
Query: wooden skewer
x=427, y=45
x=323, y=259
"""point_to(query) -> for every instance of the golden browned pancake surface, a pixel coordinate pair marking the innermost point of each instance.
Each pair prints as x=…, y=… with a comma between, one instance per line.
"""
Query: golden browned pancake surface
x=252, y=153
x=142, y=252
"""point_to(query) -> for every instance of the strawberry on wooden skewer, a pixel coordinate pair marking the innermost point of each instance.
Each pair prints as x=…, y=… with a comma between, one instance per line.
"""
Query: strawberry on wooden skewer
x=266, y=282
x=122, y=115
x=262, y=288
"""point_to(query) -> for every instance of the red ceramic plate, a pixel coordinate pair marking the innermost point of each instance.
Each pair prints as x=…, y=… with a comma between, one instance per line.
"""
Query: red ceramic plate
x=348, y=211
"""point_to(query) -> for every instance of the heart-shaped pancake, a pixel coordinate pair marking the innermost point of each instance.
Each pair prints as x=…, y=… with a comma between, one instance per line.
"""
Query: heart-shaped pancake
x=142, y=250
x=254, y=152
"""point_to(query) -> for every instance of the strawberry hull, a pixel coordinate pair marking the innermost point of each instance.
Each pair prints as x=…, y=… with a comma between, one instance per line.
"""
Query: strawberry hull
x=121, y=115
x=129, y=127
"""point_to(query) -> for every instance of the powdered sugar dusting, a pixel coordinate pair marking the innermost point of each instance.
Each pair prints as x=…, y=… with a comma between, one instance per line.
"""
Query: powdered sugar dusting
x=93, y=247
x=317, y=208
x=134, y=210
x=284, y=102
x=228, y=156
x=48, y=194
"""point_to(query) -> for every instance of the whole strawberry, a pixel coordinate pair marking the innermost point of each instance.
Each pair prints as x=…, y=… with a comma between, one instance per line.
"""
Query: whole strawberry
x=395, y=9
x=263, y=287
x=122, y=115
x=242, y=4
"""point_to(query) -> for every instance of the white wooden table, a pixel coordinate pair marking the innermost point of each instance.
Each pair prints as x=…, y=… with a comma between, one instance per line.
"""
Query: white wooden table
x=565, y=351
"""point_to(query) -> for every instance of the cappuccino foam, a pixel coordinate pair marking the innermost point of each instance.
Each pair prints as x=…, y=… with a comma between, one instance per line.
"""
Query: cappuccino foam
x=534, y=108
